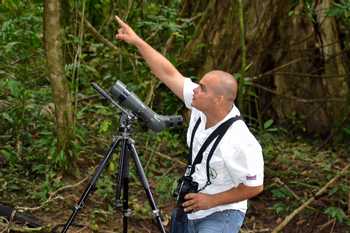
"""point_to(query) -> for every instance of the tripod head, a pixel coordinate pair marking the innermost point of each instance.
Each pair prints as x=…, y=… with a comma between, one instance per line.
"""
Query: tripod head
x=133, y=107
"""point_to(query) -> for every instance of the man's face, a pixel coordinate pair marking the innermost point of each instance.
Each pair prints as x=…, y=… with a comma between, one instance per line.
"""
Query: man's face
x=204, y=98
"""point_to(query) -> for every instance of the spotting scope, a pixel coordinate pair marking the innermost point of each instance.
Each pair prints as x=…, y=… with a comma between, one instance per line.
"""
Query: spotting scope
x=129, y=100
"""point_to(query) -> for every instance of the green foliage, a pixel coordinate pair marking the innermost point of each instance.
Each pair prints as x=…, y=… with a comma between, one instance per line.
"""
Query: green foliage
x=282, y=196
x=9, y=155
x=105, y=126
x=17, y=119
x=337, y=213
x=27, y=127
x=163, y=19
x=20, y=32
x=309, y=9
x=280, y=208
x=281, y=193
x=340, y=9
x=268, y=124
x=268, y=129
x=346, y=132
x=104, y=187
x=50, y=184
x=28, y=113
x=165, y=187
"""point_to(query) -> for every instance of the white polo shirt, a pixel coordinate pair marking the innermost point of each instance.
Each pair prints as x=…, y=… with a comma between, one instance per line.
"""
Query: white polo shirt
x=237, y=159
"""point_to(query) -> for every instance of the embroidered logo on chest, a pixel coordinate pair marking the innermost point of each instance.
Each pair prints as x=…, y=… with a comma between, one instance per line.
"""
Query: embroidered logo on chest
x=212, y=173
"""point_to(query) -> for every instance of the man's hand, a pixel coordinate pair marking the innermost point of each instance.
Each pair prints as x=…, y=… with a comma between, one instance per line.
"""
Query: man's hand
x=126, y=33
x=160, y=66
x=201, y=201
x=198, y=201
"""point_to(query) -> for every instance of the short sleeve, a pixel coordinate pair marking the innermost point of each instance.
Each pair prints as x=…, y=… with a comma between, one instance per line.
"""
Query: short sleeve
x=245, y=163
x=189, y=86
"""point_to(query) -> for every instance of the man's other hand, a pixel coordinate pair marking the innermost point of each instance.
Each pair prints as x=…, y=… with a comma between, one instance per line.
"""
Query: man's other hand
x=198, y=201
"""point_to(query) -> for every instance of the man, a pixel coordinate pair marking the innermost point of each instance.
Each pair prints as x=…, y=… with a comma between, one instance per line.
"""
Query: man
x=236, y=167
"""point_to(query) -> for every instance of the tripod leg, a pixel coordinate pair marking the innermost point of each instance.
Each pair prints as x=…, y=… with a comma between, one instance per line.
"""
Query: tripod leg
x=91, y=184
x=146, y=186
x=120, y=174
x=123, y=184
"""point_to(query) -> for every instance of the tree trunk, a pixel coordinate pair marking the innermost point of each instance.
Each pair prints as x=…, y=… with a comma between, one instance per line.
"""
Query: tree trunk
x=60, y=88
x=334, y=60
x=295, y=56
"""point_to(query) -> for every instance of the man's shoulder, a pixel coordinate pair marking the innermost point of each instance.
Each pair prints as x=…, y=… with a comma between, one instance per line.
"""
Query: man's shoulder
x=188, y=88
x=240, y=133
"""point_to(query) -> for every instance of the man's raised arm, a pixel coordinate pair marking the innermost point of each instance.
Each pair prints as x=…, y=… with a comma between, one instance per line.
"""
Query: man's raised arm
x=159, y=65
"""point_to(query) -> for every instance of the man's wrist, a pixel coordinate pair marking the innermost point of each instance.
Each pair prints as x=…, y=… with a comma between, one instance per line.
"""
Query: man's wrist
x=213, y=201
x=139, y=43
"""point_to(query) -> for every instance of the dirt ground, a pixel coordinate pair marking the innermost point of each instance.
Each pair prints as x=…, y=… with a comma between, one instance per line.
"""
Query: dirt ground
x=303, y=170
x=96, y=217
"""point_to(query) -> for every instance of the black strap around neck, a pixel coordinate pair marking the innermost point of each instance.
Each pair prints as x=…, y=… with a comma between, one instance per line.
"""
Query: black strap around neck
x=189, y=159
x=217, y=134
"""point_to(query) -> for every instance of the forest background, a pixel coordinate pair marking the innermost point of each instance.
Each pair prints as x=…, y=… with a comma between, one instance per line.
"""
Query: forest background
x=292, y=61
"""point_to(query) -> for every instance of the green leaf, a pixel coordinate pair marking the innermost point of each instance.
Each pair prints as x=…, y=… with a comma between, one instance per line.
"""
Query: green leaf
x=9, y=155
x=347, y=131
x=280, y=193
x=10, y=46
x=15, y=87
x=280, y=208
x=268, y=124
x=7, y=117
x=105, y=125
x=339, y=9
x=337, y=213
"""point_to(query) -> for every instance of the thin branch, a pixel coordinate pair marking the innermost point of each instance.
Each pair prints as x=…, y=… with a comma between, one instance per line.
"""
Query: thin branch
x=97, y=35
x=298, y=99
x=279, y=181
x=310, y=200
x=105, y=41
x=241, y=85
x=305, y=75
x=76, y=66
x=323, y=226
x=52, y=196
x=349, y=204
x=155, y=82
x=153, y=34
x=276, y=69
x=256, y=230
x=29, y=229
x=166, y=156
x=86, y=98
x=5, y=225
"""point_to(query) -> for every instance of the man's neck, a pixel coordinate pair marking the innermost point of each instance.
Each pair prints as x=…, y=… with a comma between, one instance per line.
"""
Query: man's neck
x=216, y=116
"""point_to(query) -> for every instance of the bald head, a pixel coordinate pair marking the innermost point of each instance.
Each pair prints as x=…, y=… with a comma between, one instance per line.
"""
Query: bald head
x=225, y=84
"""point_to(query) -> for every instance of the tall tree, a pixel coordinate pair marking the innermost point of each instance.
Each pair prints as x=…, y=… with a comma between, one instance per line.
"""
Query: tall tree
x=294, y=49
x=60, y=88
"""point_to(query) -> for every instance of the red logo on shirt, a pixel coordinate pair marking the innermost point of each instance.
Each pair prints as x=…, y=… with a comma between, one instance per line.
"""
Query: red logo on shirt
x=251, y=177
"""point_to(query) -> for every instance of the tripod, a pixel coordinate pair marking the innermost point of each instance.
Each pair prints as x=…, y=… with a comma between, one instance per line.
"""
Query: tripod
x=122, y=187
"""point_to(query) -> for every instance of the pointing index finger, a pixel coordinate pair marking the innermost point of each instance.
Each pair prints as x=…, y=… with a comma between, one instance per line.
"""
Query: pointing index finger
x=121, y=22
